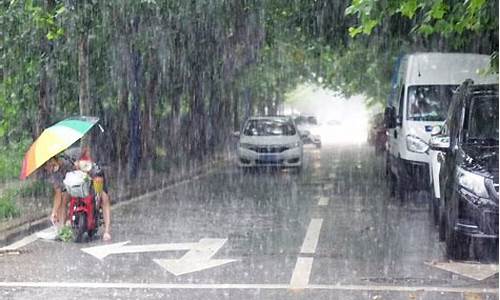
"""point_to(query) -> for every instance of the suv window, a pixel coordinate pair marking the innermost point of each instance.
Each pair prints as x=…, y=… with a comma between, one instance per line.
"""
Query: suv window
x=482, y=120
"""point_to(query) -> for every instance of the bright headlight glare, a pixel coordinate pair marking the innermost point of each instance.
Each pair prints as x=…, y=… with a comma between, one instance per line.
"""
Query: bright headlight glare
x=416, y=144
x=472, y=182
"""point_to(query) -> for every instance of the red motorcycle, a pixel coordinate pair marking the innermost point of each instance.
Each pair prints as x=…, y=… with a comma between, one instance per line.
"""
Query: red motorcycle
x=85, y=211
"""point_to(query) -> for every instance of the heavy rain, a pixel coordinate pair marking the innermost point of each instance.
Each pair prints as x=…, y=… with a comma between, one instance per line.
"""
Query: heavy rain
x=246, y=149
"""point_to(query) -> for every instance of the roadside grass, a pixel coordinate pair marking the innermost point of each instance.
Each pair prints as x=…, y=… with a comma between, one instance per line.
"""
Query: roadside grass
x=8, y=208
x=11, y=157
x=10, y=196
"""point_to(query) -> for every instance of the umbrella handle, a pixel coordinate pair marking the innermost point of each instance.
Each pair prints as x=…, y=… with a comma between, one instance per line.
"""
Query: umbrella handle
x=100, y=127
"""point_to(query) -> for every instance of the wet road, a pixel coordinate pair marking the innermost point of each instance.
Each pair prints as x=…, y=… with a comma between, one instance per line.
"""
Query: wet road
x=329, y=232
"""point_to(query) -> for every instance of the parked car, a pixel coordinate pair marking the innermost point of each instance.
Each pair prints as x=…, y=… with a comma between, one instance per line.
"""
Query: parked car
x=423, y=85
x=270, y=141
x=469, y=174
x=309, y=130
x=377, y=135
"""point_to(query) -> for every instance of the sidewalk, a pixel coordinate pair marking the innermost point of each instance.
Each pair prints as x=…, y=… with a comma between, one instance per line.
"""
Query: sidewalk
x=34, y=212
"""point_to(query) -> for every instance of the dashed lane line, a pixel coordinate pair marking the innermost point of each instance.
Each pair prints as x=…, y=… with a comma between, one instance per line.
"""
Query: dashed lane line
x=301, y=273
x=323, y=201
x=215, y=286
x=312, y=236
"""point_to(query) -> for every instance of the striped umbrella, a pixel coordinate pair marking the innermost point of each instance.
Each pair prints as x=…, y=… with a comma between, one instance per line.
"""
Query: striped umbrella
x=54, y=140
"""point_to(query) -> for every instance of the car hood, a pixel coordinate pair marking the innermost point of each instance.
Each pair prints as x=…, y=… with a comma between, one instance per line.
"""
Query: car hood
x=481, y=159
x=269, y=140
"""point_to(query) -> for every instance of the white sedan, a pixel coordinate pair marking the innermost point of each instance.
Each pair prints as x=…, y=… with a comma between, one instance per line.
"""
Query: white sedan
x=270, y=141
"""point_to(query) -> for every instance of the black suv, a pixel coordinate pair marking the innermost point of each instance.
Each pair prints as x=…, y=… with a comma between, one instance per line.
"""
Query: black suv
x=469, y=174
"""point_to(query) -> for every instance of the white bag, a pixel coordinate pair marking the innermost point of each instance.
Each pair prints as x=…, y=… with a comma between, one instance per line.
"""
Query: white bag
x=77, y=183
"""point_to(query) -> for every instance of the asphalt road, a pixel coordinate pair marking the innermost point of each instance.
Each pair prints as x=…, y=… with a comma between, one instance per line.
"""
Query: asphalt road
x=329, y=232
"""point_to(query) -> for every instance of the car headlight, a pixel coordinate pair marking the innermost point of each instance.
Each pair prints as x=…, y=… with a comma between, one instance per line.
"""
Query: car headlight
x=294, y=145
x=472, y=182
x=246, y=146
x=416, y=144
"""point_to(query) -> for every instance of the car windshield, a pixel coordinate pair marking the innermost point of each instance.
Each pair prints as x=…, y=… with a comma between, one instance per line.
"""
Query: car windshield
x=483, y=119
x=429, y=102
x=269, y=127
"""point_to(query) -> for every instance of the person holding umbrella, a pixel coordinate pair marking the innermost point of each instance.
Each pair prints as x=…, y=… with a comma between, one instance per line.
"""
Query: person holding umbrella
x=46, y=150
x=56, y=169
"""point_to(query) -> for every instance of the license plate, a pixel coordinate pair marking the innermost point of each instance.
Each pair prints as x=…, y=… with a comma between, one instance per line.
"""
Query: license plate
x=267, y=158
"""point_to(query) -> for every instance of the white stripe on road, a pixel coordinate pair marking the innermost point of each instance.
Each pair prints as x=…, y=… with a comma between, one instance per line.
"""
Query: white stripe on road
x=169, y=286
x=301, y=273
x=312, y=236
x=323, y=201
x=21, y=243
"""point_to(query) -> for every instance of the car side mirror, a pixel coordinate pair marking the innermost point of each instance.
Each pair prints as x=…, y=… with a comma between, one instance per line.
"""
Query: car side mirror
x=390, y=117
x=439, y=142
x=236, y=134
x=304, y=134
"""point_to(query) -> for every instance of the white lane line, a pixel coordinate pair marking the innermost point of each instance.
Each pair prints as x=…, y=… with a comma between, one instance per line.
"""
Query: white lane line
x=323, y=201
x=312, y=236
x=21, y=243
x=216, y=286
x=301, y=273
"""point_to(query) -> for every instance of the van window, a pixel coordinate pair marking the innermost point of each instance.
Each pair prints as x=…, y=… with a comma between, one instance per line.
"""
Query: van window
x=429, y=102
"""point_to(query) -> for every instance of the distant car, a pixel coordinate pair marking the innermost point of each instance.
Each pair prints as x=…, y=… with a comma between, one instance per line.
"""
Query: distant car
x=270, y=141
x=469, y=173
x=309, y=130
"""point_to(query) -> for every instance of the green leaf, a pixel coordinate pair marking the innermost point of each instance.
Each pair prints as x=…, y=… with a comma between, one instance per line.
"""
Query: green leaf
x=409, y=8
x=354, y=31
x=369, y=25
x=438, y=10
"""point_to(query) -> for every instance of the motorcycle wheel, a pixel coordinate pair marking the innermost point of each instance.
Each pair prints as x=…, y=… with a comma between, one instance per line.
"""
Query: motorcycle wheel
x=80, y=228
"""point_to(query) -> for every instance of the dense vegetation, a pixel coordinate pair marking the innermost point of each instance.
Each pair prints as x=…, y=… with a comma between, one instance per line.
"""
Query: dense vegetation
x=171, y=80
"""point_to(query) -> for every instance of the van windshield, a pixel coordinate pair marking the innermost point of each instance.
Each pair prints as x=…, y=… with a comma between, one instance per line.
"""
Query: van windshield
x=429, y=102
x=483, y=120
x=269, y=127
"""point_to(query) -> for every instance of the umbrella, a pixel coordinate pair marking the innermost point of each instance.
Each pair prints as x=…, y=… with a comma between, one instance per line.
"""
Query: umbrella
x=54, y=140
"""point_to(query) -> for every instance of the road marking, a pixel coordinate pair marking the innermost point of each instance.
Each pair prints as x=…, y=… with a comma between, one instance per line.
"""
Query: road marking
x=21, y=243
x=328, y=186
x=169, y=286
x=475, y=271
x=323, y=201
x=301, y=273
x=199, y=256
x=312, y=236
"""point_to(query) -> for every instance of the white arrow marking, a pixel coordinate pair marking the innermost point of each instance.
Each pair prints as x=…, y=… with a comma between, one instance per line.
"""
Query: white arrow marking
x=471, y=270
x=198, y=258
x=117, y=248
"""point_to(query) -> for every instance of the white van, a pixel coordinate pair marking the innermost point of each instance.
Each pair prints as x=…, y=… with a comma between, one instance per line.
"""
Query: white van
x=422, y=87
